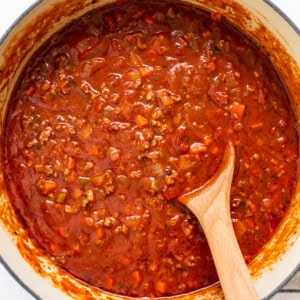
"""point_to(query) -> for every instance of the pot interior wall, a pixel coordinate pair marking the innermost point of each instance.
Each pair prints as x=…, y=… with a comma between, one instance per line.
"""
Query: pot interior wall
x=260, y=22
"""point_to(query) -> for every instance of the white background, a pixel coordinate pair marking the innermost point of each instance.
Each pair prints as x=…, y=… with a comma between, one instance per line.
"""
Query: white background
x=9, y=11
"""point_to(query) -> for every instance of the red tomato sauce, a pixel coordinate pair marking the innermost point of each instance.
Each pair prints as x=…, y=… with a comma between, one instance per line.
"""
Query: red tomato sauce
x=123, y=111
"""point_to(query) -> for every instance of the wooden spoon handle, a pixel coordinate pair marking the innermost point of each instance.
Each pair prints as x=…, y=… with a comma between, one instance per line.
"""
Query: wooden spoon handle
x=232, y=270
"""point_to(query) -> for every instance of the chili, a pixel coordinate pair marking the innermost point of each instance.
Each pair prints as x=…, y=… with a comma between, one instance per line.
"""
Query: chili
x=123, y=111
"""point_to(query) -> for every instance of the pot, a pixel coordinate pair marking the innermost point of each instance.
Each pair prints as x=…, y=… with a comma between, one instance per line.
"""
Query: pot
x=278, y=259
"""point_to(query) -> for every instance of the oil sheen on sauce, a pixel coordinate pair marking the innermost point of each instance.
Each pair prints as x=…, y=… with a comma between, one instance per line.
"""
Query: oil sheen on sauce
x=123, y=111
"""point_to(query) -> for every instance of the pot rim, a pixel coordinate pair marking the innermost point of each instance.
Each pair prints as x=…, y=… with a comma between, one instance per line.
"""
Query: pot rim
x=283, y=283
x=6, y=34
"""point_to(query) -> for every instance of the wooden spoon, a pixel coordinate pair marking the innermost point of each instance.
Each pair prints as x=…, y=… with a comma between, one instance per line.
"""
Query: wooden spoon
x=211, y=205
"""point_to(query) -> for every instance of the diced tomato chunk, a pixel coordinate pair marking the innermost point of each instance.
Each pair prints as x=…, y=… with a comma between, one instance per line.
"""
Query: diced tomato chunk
x=46, y=186
x=161, y=286
x=141, y=121
x=196, y=148
x=172, y=192
x=238, y=110
x=108, y=283
x=136, y=276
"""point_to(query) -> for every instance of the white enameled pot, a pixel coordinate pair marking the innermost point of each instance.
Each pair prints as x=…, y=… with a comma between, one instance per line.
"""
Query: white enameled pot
x=279, y=258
